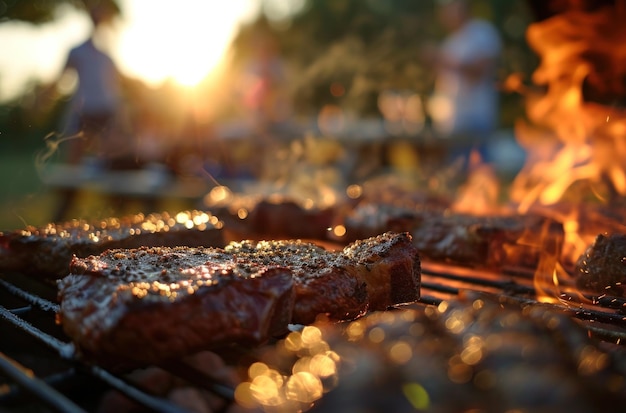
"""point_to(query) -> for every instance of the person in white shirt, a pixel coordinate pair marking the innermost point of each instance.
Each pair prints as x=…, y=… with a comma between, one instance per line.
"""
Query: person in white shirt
x=464, y=106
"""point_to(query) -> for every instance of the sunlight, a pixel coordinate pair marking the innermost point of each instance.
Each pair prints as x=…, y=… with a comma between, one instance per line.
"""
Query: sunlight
x=183, y=43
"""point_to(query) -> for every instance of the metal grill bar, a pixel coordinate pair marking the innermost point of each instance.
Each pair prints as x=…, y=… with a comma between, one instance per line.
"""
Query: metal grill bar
x=29, y=298
x=512, y=287
x=601, y=316
x=199, y=378
x=13, y=392
x=509, y=289
x=506, y=285
x=37, y=387
x=156, y=404
x=67, y=351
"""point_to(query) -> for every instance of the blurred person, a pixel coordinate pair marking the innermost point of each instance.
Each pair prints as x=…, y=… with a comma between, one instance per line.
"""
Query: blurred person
x=464, y=107
x=94, y=105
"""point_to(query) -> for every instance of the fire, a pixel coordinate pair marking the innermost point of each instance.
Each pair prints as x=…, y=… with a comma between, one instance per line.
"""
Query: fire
x=480, y=193
x=572, y=137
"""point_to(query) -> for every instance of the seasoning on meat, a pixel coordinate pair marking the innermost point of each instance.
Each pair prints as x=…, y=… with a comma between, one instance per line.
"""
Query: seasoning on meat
x=375, y=273
x=47, y=251
x=172, y=301
x=150, y=304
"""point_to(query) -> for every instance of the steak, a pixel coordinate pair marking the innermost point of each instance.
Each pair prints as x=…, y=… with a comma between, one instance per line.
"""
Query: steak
x=602, y=267
x=47, y=251
x=276, y=217
x=151, y=304
x=172, y=301
x=375, y=273
x=492, y=242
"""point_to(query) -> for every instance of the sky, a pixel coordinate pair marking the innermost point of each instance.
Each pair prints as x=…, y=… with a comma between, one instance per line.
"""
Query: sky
x=152, y=42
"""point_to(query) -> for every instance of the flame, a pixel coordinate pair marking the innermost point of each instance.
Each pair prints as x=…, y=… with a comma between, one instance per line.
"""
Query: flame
x=569, y=137
x=575, y=138
x=480, y=193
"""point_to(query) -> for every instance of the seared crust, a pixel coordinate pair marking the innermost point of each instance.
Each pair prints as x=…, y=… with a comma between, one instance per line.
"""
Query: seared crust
x=601, y=268
x=151, y=304
x=371, y=274
x=494, y=242
x=47, y=251
x=390, y=266
x=323, y=282
x=174, y=301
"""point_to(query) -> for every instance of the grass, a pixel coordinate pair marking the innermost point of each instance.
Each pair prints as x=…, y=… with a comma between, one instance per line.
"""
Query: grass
x=23, y=198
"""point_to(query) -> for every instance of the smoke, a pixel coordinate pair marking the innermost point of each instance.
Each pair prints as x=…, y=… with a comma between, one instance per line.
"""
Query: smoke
x=53, y=141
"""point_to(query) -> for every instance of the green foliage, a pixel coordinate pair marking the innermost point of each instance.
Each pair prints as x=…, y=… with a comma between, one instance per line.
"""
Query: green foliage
x=42, y=11
x=367, y=46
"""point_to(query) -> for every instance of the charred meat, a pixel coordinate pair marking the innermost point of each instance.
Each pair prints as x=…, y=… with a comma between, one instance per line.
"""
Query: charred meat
x=602, y=267
x=375, y=273
x=493, y=242
x=47, y=251
x=175, y=301
x=150, y=304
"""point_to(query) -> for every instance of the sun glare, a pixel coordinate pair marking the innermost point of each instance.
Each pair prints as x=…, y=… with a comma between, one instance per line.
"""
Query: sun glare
x=183, y=40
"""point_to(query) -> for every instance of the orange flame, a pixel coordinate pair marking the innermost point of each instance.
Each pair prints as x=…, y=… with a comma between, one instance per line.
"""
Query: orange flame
x=570, y=138
x=480, y=193
x=574, y=136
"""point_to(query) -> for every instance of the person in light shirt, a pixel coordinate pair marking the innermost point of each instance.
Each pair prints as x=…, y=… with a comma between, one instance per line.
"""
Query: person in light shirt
x=94, y=104
x=464, y=106
x=89, y=124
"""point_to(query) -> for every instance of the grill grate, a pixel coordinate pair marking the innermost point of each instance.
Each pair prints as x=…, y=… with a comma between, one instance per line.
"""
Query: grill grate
x=46, y=393
x=38, y=388
x=32, y=315
x=602, y=316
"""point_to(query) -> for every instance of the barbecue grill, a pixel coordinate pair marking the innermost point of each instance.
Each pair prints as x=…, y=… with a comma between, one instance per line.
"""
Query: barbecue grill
x=39, y=369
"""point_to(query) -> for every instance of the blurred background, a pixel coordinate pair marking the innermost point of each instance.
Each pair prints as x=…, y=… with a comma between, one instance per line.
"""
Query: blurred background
x=211, y=94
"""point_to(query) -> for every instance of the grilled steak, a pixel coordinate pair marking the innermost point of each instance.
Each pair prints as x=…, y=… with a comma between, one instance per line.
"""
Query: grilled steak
x=491, y=242
x=494, y=242
x=47, y=251
x=150, y=304
x=174, y=301
x=378, y=272
x=272, y=218
x=602, y=267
